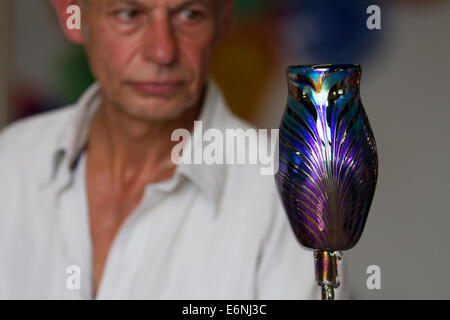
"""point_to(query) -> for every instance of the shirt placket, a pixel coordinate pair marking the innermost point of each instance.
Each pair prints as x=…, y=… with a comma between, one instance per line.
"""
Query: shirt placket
x=113, y=285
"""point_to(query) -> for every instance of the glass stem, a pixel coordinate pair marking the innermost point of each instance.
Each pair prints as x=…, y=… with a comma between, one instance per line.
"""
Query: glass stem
x=327, y=292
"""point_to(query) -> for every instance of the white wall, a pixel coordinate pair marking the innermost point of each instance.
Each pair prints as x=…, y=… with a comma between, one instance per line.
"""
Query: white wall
x=406, y=93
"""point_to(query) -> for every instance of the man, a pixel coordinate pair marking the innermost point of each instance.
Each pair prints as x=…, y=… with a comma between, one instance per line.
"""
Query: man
x=94, y=207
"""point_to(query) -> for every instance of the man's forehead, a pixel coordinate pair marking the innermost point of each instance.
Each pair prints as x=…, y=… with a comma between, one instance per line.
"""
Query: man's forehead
x=155, y=3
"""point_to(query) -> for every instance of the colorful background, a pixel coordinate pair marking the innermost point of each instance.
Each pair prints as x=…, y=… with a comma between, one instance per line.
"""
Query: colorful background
x=265, y=33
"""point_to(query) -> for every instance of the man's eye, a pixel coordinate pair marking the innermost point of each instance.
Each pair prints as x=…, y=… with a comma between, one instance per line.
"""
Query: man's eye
x=189, y=14
x=127, y=14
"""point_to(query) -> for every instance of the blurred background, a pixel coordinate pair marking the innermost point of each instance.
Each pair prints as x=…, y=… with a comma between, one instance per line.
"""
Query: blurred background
x=405, y=90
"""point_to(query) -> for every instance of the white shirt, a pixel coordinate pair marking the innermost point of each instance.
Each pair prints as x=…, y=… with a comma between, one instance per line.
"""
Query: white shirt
x=210, y=232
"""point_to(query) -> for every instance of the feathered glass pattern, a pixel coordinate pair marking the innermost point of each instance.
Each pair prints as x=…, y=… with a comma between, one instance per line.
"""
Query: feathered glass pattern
x=328, y=163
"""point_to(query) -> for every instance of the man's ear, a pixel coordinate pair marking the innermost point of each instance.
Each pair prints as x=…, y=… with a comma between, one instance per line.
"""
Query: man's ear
x=67, y=14
x=227, y=17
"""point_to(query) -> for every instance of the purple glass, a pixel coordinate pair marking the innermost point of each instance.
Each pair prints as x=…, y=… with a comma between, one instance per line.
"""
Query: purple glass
x=328, y=157
x=328, y=163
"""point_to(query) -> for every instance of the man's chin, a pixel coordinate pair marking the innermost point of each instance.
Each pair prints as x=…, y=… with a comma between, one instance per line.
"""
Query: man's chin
x=152, y=91
x=155, y=111
x=158, y=107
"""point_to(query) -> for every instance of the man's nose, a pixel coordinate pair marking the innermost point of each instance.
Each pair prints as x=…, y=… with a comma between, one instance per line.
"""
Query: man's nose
x=159, y=44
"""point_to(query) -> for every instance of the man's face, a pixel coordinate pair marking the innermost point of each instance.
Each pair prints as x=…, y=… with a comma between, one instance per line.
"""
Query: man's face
x=151, y=57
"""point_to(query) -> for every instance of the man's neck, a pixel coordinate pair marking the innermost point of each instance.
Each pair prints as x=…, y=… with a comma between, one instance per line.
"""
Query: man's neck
x=133, y=149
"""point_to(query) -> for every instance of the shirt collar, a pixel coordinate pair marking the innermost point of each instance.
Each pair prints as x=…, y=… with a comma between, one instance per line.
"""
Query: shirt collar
x=73, y=138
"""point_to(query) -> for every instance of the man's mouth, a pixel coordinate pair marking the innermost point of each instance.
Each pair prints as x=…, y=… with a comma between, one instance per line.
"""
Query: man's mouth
x=162, y=88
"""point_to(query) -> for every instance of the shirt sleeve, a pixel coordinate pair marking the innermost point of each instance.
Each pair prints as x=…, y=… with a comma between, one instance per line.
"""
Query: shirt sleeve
x=286, y=270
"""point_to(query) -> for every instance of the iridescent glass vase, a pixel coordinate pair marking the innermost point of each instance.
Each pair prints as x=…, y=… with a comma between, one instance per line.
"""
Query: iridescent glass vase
x=328, y=164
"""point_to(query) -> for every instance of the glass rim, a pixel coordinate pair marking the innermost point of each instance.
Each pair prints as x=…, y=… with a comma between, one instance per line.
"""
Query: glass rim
x=324, y=67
